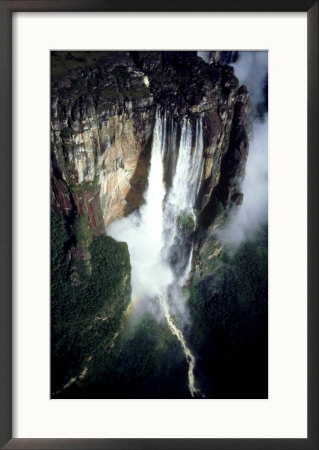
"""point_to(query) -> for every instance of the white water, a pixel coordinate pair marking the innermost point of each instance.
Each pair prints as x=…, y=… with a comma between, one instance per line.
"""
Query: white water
x=251, y=69
x=188, y=354
x=182, y=195
x=153, y=234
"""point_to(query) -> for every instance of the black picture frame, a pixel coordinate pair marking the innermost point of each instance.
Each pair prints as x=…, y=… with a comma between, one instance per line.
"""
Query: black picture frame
x=7, y=7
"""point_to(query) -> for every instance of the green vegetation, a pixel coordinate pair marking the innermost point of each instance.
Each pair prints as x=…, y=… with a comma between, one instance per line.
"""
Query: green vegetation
x=60, y=244
x=121, y=73
x=82, y=231
x=106, y=98
x=134, y=93
x=87, y=313
x=187, y=221
x=69, y=147
x=151, y=362
x=66, y=133
x=229, y=310
x=145, y=362
x=63, y=62
x=111, y=267
x=86, y=310
x=85, y=186
x=220, y=213
x=109, y=95
x=119, y=87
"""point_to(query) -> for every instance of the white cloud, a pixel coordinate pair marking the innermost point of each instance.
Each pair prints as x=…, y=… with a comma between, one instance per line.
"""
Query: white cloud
x=251, y=70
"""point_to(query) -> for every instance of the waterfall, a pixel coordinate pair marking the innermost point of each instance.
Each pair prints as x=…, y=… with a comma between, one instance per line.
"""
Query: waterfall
x=161, y=255
x=180, y=202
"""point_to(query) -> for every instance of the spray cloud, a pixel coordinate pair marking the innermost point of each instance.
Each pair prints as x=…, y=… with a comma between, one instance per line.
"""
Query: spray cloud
x=252, y=70
x=160, y=256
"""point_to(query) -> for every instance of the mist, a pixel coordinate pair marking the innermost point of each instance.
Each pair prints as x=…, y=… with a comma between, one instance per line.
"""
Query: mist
x=142, y=231
x=149, y=273
x=251, y=69
x=245, y=221
x=161, y=260
x=160, y=257
x=160, y=251
x=204, y=55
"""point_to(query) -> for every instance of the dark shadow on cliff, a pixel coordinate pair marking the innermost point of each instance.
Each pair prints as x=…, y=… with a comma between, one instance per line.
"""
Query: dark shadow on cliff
x=229, y=332
x=134, y=198
x=232, y=169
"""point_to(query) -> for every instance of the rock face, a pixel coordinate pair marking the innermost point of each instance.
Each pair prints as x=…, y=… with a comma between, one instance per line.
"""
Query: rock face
x=102, y=118
x=218, y=57
x=103, y=111
x=99, y=139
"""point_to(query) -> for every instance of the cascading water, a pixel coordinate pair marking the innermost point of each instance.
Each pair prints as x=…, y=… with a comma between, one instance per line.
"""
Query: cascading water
x=161, y=255
x=179, y=205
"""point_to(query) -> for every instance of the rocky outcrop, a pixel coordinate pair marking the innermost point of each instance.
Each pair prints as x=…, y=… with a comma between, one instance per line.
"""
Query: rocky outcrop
x=222, y=57
x=102, y=118
x=98, y=136
x=103, y=110
x=229, y=169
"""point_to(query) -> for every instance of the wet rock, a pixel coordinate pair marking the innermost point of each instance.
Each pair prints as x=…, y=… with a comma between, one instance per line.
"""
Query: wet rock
x=237, y=198
x=104, y=113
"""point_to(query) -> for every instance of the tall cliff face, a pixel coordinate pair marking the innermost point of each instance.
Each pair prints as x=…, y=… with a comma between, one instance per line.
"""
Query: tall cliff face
x=102, y=118
x=103, y=111
x=98, y=141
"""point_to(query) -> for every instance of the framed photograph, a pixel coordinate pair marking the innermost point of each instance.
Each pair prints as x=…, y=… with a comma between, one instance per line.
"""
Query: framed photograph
x=159, y=225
